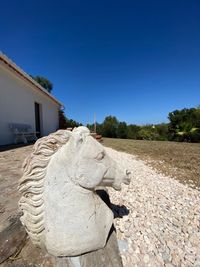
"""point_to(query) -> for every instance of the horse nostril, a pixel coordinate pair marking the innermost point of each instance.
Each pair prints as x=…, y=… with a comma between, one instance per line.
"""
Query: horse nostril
x=127, y=181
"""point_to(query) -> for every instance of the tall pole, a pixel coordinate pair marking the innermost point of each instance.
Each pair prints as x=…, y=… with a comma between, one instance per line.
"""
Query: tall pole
x=95, y=125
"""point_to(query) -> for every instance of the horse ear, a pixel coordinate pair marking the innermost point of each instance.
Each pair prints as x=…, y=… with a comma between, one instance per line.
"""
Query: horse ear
x=80, y=134
x=82, y=129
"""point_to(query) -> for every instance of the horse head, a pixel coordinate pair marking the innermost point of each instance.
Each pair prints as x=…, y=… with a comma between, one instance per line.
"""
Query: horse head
x=92, y=165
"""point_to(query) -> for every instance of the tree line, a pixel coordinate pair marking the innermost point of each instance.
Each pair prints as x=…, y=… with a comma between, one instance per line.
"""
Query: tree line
x=113, y=128
x=183, y=126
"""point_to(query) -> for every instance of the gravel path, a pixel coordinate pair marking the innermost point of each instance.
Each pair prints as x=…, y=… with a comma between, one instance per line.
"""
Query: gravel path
x=163, y=224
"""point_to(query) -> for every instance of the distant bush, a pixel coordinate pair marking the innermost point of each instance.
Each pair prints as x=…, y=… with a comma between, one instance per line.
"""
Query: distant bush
x=184, y=125
x=133, y=131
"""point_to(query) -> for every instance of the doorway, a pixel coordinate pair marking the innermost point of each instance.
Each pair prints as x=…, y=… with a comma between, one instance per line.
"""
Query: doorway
x=37, y=120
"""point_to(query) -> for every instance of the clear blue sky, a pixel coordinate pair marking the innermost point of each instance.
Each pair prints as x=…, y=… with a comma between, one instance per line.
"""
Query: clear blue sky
x=137, y=60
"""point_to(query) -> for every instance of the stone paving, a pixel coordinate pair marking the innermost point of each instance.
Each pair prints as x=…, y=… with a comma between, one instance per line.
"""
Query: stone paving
x=163, y=224
x=10, y=171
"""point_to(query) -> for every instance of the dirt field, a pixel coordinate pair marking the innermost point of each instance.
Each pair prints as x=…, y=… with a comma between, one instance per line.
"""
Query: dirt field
x=179, y=160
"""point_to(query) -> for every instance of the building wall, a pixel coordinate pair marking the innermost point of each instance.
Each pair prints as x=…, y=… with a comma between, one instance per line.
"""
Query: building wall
x=17, y=105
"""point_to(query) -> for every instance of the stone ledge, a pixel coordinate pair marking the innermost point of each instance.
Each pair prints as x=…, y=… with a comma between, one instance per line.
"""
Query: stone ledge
x=12, y=237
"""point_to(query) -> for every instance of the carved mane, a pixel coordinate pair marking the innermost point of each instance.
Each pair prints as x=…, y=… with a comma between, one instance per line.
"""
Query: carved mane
x=31, y=185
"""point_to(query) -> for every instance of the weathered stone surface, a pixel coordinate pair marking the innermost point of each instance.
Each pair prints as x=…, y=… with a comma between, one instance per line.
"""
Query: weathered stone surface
x=61, y=210
x=30, y=256
x=105, y=257
x=10, y=171
x=12, y=238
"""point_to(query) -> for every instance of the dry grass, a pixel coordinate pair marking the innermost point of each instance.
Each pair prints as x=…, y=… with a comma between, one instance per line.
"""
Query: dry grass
x=179, y=160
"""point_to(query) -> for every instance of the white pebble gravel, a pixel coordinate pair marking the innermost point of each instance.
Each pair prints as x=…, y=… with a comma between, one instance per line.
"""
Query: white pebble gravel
x=163, y=224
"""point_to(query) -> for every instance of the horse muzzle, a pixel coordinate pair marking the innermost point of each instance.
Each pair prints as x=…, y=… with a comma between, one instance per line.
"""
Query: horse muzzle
x=114, y=177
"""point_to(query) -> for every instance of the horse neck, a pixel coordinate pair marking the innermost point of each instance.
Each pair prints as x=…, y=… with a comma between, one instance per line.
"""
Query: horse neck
x=61, y=194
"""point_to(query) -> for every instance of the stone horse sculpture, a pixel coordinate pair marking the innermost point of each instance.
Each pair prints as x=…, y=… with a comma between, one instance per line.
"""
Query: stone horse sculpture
x=61, y=210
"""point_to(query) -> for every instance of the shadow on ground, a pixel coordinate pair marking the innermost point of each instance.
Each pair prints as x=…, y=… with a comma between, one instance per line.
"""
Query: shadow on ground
x=13, y=146
x=119, y=211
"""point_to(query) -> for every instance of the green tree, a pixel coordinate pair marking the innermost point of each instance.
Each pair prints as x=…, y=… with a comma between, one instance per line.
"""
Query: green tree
x=122, y=130
x=109, y=127
x=45, y=83
x=62, y=120
x=72, y=123
x=185, y=125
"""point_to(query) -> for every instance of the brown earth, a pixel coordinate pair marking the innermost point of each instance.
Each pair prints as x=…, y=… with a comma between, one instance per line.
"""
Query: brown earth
x=178, y=160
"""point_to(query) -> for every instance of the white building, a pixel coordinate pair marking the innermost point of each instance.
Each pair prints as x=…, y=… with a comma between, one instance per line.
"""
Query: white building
x=24, y=101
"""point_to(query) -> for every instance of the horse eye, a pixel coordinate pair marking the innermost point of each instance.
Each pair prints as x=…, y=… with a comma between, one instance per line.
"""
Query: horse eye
x=100, y=156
